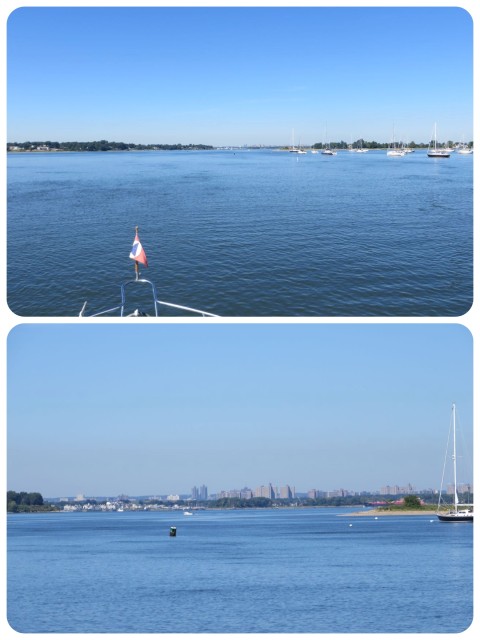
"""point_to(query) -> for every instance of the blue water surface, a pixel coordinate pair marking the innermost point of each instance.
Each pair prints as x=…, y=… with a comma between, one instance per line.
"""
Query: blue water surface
x=243, y=233
x=252, y=571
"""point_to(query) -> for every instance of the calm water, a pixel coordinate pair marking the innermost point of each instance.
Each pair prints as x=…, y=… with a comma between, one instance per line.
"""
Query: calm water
x=238, y=571
x=259, y=233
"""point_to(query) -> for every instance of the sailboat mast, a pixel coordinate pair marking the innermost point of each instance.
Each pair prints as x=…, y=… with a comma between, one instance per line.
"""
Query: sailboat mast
x=455, y=459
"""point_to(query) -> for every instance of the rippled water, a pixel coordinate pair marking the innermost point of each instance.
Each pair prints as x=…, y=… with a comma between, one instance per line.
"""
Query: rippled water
x=259, y=571
x=243, y=233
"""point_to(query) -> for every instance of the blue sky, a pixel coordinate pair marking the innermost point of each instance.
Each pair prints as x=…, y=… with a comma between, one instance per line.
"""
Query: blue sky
x=232, y=76
x=98, y=409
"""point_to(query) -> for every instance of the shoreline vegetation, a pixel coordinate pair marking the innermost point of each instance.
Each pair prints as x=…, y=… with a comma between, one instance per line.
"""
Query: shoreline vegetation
x=105, y=145
x=101, y=145
x=23, y=502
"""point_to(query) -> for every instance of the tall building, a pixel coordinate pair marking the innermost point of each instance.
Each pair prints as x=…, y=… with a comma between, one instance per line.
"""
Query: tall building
x=265, y=492
x=286, y=492
x=396, y=490
x=200, y=494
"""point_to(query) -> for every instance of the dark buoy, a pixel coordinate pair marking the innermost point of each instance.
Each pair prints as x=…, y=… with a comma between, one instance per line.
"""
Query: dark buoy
x=173, y=532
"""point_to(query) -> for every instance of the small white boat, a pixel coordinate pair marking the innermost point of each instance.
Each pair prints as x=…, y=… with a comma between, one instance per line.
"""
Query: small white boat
x=138, y=255
x=433, y=150
x=187, y=513
x=295, y=149
x=327, y=151
x=458, y=512
x=394, y=150
x=464, y=149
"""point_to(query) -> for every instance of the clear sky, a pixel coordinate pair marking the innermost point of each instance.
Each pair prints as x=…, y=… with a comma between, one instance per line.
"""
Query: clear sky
x=110, y=409
x=233, y=76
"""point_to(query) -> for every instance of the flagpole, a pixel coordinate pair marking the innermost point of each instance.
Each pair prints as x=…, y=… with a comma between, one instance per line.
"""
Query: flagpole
x=136, y=263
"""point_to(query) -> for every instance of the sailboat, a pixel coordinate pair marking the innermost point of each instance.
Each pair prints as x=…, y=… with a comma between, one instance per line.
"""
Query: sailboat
x=458, y=512
x=327, y=151
x=464, y=149
x=295, y=149
x=360, y=148
x=434, y=152
x=394, y=151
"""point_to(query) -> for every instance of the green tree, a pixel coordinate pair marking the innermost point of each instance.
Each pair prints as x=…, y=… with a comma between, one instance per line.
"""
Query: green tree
x=412, y=502
x=35, y=498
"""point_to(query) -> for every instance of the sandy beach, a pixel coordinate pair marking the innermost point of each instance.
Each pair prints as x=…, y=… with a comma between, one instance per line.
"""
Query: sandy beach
x=380, y=512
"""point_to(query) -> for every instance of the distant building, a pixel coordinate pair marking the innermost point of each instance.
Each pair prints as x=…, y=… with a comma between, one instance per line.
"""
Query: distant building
x=200, y=494
x=396, y=490
x=461, y=488
x=232, y=493
x=265, y=492
x=286, y=492
x=339, y=493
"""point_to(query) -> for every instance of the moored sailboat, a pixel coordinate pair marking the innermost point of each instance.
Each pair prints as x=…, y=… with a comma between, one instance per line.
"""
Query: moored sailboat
x=464, y=149
x=458, y=512
x=295, y=149
x=394, y=150
x=434, y=151
x=327, y=151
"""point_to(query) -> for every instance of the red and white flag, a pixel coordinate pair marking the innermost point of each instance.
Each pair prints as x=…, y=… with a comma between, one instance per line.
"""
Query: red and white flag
x=137, y=253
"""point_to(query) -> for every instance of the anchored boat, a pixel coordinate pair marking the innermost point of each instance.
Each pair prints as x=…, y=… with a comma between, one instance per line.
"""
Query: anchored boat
x=459, y=512
x=433, y=150
x=138, y=255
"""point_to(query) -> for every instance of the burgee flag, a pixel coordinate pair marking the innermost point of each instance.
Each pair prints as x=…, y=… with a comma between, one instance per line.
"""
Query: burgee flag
x=137, y=253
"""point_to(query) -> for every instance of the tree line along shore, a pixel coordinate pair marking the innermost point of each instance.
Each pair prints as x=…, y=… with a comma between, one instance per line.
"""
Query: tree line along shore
x=33, y=502
x=105, y=145
x=101, y=145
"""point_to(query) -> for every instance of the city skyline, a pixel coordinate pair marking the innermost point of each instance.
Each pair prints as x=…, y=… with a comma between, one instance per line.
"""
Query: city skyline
x=324, y=405
x=237, y=79
x=277, y=492
x=286, y=491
